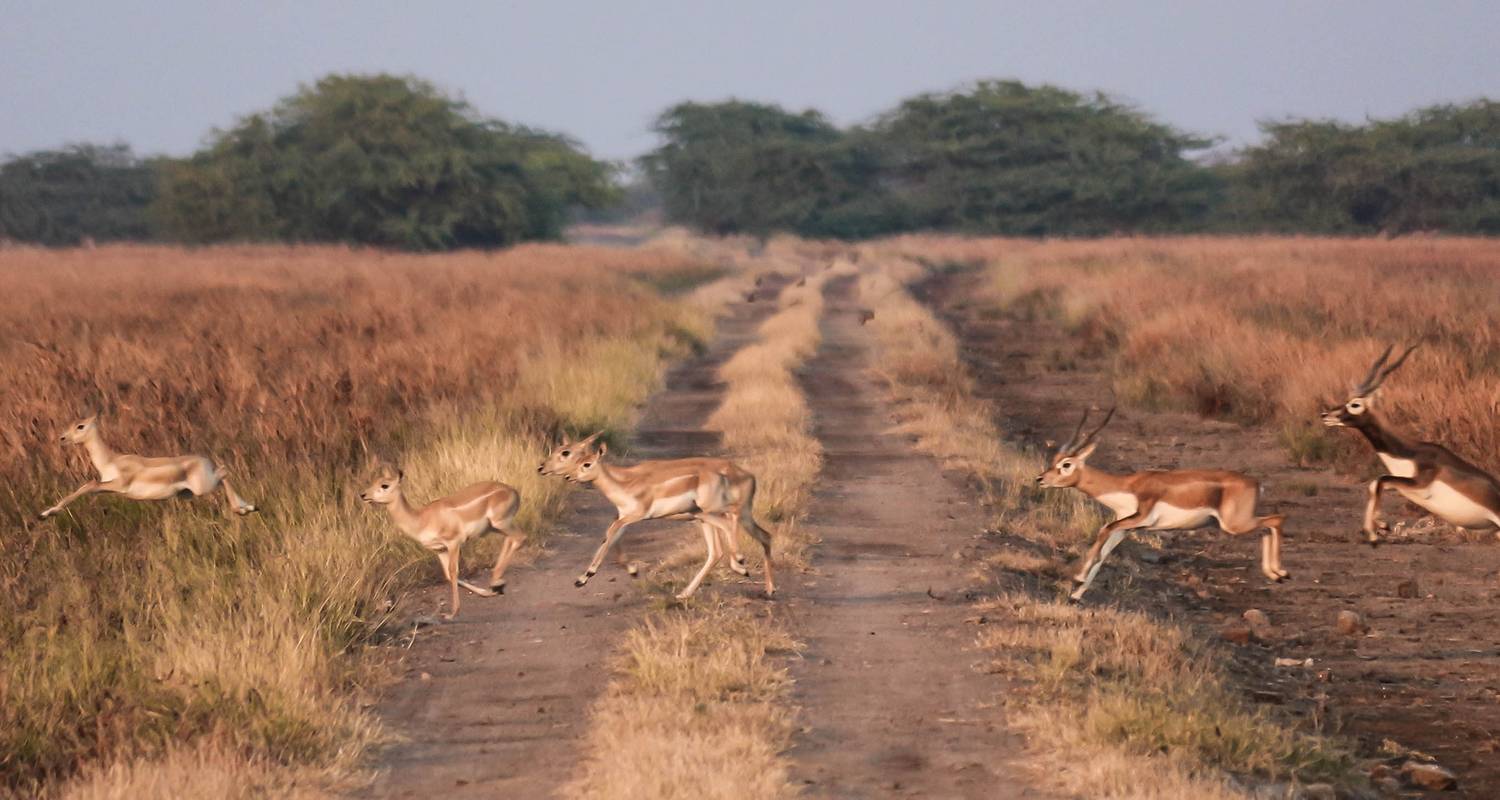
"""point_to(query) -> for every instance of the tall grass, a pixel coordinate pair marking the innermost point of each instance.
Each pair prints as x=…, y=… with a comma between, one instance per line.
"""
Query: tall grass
x=147, y=640
x=1120, y=704
x=1273, y=329
x=698, y=708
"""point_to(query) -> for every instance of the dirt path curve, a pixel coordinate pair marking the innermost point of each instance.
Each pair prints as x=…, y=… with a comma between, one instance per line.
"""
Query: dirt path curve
x=889, y=686
x=1426, y=675
x=511, y=680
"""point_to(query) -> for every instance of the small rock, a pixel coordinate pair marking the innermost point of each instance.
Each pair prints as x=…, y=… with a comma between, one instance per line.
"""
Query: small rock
x=1259, y=623
x=1431, y=777
x=1319, y=791
x=1408, y=589
x=1350, y=623
x=1236, y=633
x=1388, y=786
x=426, y=676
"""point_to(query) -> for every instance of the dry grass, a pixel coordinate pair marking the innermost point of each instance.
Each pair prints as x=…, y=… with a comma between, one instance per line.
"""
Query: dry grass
x=153, y=637
x=1274, y=329
x=1120, y=704
x=698, y=706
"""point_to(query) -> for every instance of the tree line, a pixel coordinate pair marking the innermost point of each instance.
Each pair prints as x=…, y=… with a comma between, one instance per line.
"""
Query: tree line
x=393, y=161
x=376, y=160
x=1001, y=157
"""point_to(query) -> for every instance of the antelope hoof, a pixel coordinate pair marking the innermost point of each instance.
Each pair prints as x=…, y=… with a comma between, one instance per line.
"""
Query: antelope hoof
x=46, y=514
x=246, y=511
x=683, y=595
x=582, y=579
x=1283, y=573
x=498, y=587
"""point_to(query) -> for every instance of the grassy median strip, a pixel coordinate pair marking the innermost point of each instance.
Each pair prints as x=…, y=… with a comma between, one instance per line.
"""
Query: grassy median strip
x=1118, y=703
x=698, y=707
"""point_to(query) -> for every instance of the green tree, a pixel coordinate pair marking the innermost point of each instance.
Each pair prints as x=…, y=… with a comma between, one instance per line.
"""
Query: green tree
x=380, y=160
x=738, y=167
x=1004, y=157
x=1437, y=168
x=61, y=197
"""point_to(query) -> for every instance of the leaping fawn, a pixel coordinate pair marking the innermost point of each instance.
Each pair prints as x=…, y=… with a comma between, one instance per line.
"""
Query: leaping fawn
x=1161, y=500
x=443, y=525
x=1427, y=474
x=142, y=477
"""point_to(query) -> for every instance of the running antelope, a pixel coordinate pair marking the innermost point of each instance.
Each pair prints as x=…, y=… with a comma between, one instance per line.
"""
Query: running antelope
x=443, y=525
x=144, y=478
x=712, y=491
x=1427, y=474
x=1160, y=500
x=563, y=462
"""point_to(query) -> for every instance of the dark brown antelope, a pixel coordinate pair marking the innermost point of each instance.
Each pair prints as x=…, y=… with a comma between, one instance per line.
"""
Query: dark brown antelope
x=1161, y=500
x=1427, y=474
x=144, y=477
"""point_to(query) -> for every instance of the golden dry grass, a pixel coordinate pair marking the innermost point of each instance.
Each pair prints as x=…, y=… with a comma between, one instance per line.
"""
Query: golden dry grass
x=1274, y=329
x=151, y=637
x=697, y=708
x=1119, y=704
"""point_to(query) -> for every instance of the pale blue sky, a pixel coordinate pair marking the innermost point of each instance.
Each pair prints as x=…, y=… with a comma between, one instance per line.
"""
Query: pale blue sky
x=160, y=75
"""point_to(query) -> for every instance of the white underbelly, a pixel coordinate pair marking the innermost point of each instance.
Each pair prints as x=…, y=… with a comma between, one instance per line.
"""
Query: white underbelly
x=141, y=490
x=1451, y=505
x=1122, y=503
x=1400, y=467
x=1167, y=517
x=672, y=504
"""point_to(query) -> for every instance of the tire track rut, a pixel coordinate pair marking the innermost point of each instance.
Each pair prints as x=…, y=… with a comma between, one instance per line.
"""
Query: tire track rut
x=894, y=694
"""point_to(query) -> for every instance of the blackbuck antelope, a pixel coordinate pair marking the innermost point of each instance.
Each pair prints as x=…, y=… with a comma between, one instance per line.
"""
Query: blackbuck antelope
x=1160, y=500
x=1427, y=474
x=144, y=478
x=443, y=525
x=716, y=493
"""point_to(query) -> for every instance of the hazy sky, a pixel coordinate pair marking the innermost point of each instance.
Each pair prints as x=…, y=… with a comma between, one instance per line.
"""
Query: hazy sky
x=160, y=75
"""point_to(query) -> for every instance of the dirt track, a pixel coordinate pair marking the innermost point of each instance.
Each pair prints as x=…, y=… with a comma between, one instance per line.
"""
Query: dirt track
x=1426, y=677
x=511, y=680
x=890, y=698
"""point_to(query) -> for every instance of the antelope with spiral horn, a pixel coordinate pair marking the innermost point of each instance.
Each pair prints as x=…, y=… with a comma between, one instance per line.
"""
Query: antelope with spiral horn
x=1160, y=500
x=1428, y=474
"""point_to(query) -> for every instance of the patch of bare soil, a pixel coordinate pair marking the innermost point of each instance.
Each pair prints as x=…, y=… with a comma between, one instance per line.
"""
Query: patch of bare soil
x=496, y=702
x=1425, y=675
x=892, y=692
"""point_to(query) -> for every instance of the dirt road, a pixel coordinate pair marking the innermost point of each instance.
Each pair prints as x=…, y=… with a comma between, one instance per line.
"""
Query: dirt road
x=890, y=698
x=509, y=683
x=1427, y=676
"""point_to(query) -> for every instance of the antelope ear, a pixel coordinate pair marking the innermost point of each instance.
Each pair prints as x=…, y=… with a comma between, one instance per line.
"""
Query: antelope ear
x=603, y=448
x=400, y=476
x=1049, y=444
x=590, y=439
x=1082, y=455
